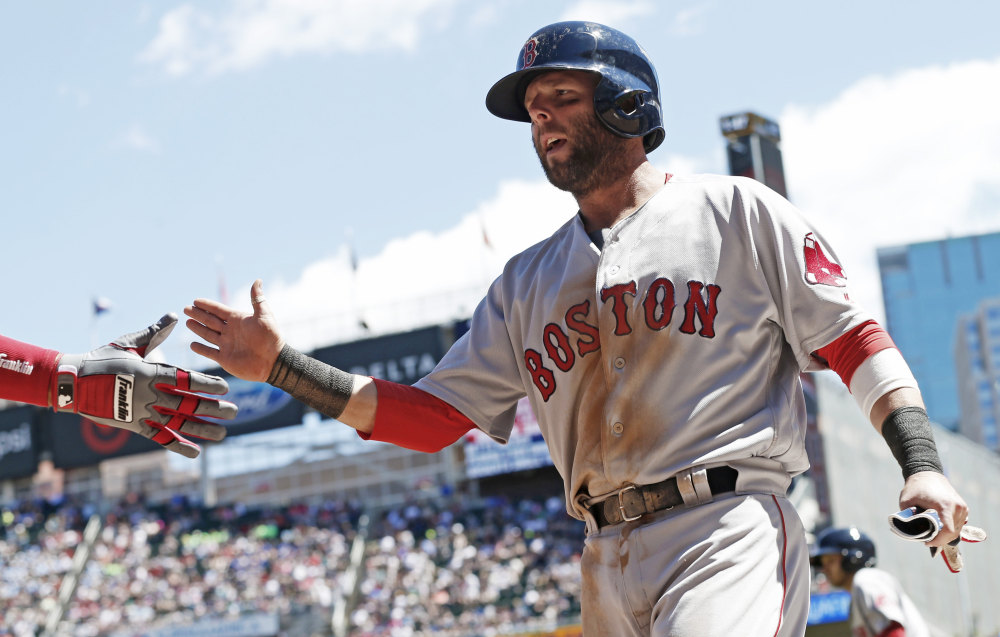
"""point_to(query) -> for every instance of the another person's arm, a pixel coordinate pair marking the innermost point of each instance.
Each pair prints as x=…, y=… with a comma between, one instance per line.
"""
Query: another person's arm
x=115, y=385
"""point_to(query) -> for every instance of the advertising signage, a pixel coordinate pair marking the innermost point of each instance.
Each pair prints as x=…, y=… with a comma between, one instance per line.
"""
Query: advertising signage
x=18, y=454
x=78, y=442
x=261, y=406
x=401, y=358
x=525, y=449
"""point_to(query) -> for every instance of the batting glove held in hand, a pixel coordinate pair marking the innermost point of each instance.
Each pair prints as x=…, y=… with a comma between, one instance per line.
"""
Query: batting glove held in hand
x=951, y=553
x=114, y=385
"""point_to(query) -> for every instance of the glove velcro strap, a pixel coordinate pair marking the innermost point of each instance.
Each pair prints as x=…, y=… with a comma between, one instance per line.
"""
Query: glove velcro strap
x=164, y=436
x=908, y=433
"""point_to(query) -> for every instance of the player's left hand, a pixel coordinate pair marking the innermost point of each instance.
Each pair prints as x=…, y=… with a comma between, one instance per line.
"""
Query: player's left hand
x=932, y=490
x=115, y=385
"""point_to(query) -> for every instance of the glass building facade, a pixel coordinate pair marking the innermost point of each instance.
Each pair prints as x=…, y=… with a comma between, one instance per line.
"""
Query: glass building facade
x=977, y=358
x=926, y=288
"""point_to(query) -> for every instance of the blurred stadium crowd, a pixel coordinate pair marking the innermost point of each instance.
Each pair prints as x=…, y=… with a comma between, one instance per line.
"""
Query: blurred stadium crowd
x=444, y=566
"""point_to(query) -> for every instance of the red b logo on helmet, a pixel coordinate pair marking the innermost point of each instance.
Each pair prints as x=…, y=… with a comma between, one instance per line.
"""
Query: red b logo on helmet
x=529, y=53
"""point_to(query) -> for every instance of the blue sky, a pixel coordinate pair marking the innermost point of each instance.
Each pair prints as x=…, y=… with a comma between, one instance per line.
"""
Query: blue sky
x=148, y=150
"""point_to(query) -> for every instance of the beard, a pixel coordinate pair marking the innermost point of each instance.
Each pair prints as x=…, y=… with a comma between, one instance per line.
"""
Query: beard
x=597, y=158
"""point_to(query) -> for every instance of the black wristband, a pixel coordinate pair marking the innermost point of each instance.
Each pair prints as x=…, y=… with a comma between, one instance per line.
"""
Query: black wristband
x=323, y=387
x=907, y=431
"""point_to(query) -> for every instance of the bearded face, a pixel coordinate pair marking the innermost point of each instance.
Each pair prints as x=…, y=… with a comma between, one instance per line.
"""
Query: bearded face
x=595, y=156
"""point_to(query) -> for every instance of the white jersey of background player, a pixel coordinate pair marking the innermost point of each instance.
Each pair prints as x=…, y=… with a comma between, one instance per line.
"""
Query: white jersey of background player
x=659, y=335
x=879, y=605
x=878, y=601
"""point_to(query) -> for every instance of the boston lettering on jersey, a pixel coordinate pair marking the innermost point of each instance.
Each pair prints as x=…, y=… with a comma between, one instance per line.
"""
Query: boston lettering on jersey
x=656, y=310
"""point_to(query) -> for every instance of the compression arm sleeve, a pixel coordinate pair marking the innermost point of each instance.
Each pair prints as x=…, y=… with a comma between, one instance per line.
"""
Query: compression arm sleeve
x=26, y=371
x=412, y=418
x=323, y=387
x=405, y=416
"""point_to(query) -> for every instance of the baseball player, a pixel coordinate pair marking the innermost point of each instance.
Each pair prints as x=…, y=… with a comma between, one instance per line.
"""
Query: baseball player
x=115, y=385
x=659, y=335
x=879, y=606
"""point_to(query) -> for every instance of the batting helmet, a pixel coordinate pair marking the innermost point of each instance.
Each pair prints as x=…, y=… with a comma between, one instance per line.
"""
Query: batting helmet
x=627, y=96
x=856, y=549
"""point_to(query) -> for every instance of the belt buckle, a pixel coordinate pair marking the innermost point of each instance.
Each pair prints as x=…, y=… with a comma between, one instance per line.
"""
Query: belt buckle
x=621, y=505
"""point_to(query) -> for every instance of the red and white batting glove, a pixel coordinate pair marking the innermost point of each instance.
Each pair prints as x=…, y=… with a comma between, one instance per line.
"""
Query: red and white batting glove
x=951, y=553
x=923, y=525
x=114, y=385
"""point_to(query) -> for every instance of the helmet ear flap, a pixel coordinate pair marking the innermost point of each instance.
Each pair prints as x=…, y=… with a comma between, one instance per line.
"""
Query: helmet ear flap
x=629, y=111
x=630, y=102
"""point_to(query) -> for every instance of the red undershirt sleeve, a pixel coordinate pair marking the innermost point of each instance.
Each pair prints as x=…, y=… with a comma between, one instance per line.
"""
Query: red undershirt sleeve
x=26, y=371
x=412, y=418
x=845, y=354
x=893, y=630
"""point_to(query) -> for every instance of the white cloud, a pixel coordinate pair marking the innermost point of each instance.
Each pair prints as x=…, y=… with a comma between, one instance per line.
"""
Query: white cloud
x=690, y=21
x=898, y=159
x=613, y=14
x=136, y=138
x=77, y=96
x=250, y=32
x=423, y=279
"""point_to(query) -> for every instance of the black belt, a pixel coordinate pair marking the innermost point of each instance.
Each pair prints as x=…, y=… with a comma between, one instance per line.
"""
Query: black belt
x=633, y=502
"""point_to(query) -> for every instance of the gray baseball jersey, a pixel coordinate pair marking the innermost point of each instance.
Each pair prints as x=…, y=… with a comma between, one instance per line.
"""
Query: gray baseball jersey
x=678, y=344
x=877, y=600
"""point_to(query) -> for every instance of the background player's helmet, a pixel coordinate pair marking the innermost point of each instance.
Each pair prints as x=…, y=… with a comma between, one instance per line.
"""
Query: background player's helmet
x=855, y=548
x=627, y=97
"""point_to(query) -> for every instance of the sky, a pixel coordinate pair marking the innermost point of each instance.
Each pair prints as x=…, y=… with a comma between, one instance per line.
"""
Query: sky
x=152, y=153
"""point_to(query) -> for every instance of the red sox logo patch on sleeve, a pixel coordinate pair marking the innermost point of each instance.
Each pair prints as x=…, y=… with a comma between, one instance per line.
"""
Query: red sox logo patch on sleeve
x=819, y=269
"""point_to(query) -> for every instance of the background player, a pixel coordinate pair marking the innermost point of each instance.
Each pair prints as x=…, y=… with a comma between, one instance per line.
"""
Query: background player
x=659, y=335
x=879, y=605
x=115, y=385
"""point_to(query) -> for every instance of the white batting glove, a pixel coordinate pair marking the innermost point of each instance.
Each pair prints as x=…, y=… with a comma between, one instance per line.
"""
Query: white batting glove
x=923, y=525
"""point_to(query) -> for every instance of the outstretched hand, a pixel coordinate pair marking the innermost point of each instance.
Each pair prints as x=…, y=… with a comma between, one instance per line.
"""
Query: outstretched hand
x=246, y=345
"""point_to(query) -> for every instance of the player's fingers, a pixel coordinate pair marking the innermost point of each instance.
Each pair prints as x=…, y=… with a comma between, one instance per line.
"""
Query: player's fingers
x=210, y=353
x=173, y=441
x=224, y=312
x=206, y=383
x=208, y=319
x=185, y=403
x=204, y=332
x=951, y=529
x=261, y=307
x=212, y=408
x=183, y=447
x=203, y=430
x=168, y=438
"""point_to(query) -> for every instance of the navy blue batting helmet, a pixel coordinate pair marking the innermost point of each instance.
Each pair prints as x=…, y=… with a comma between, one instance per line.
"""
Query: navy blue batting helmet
x=627, y=96
x=856, y=549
